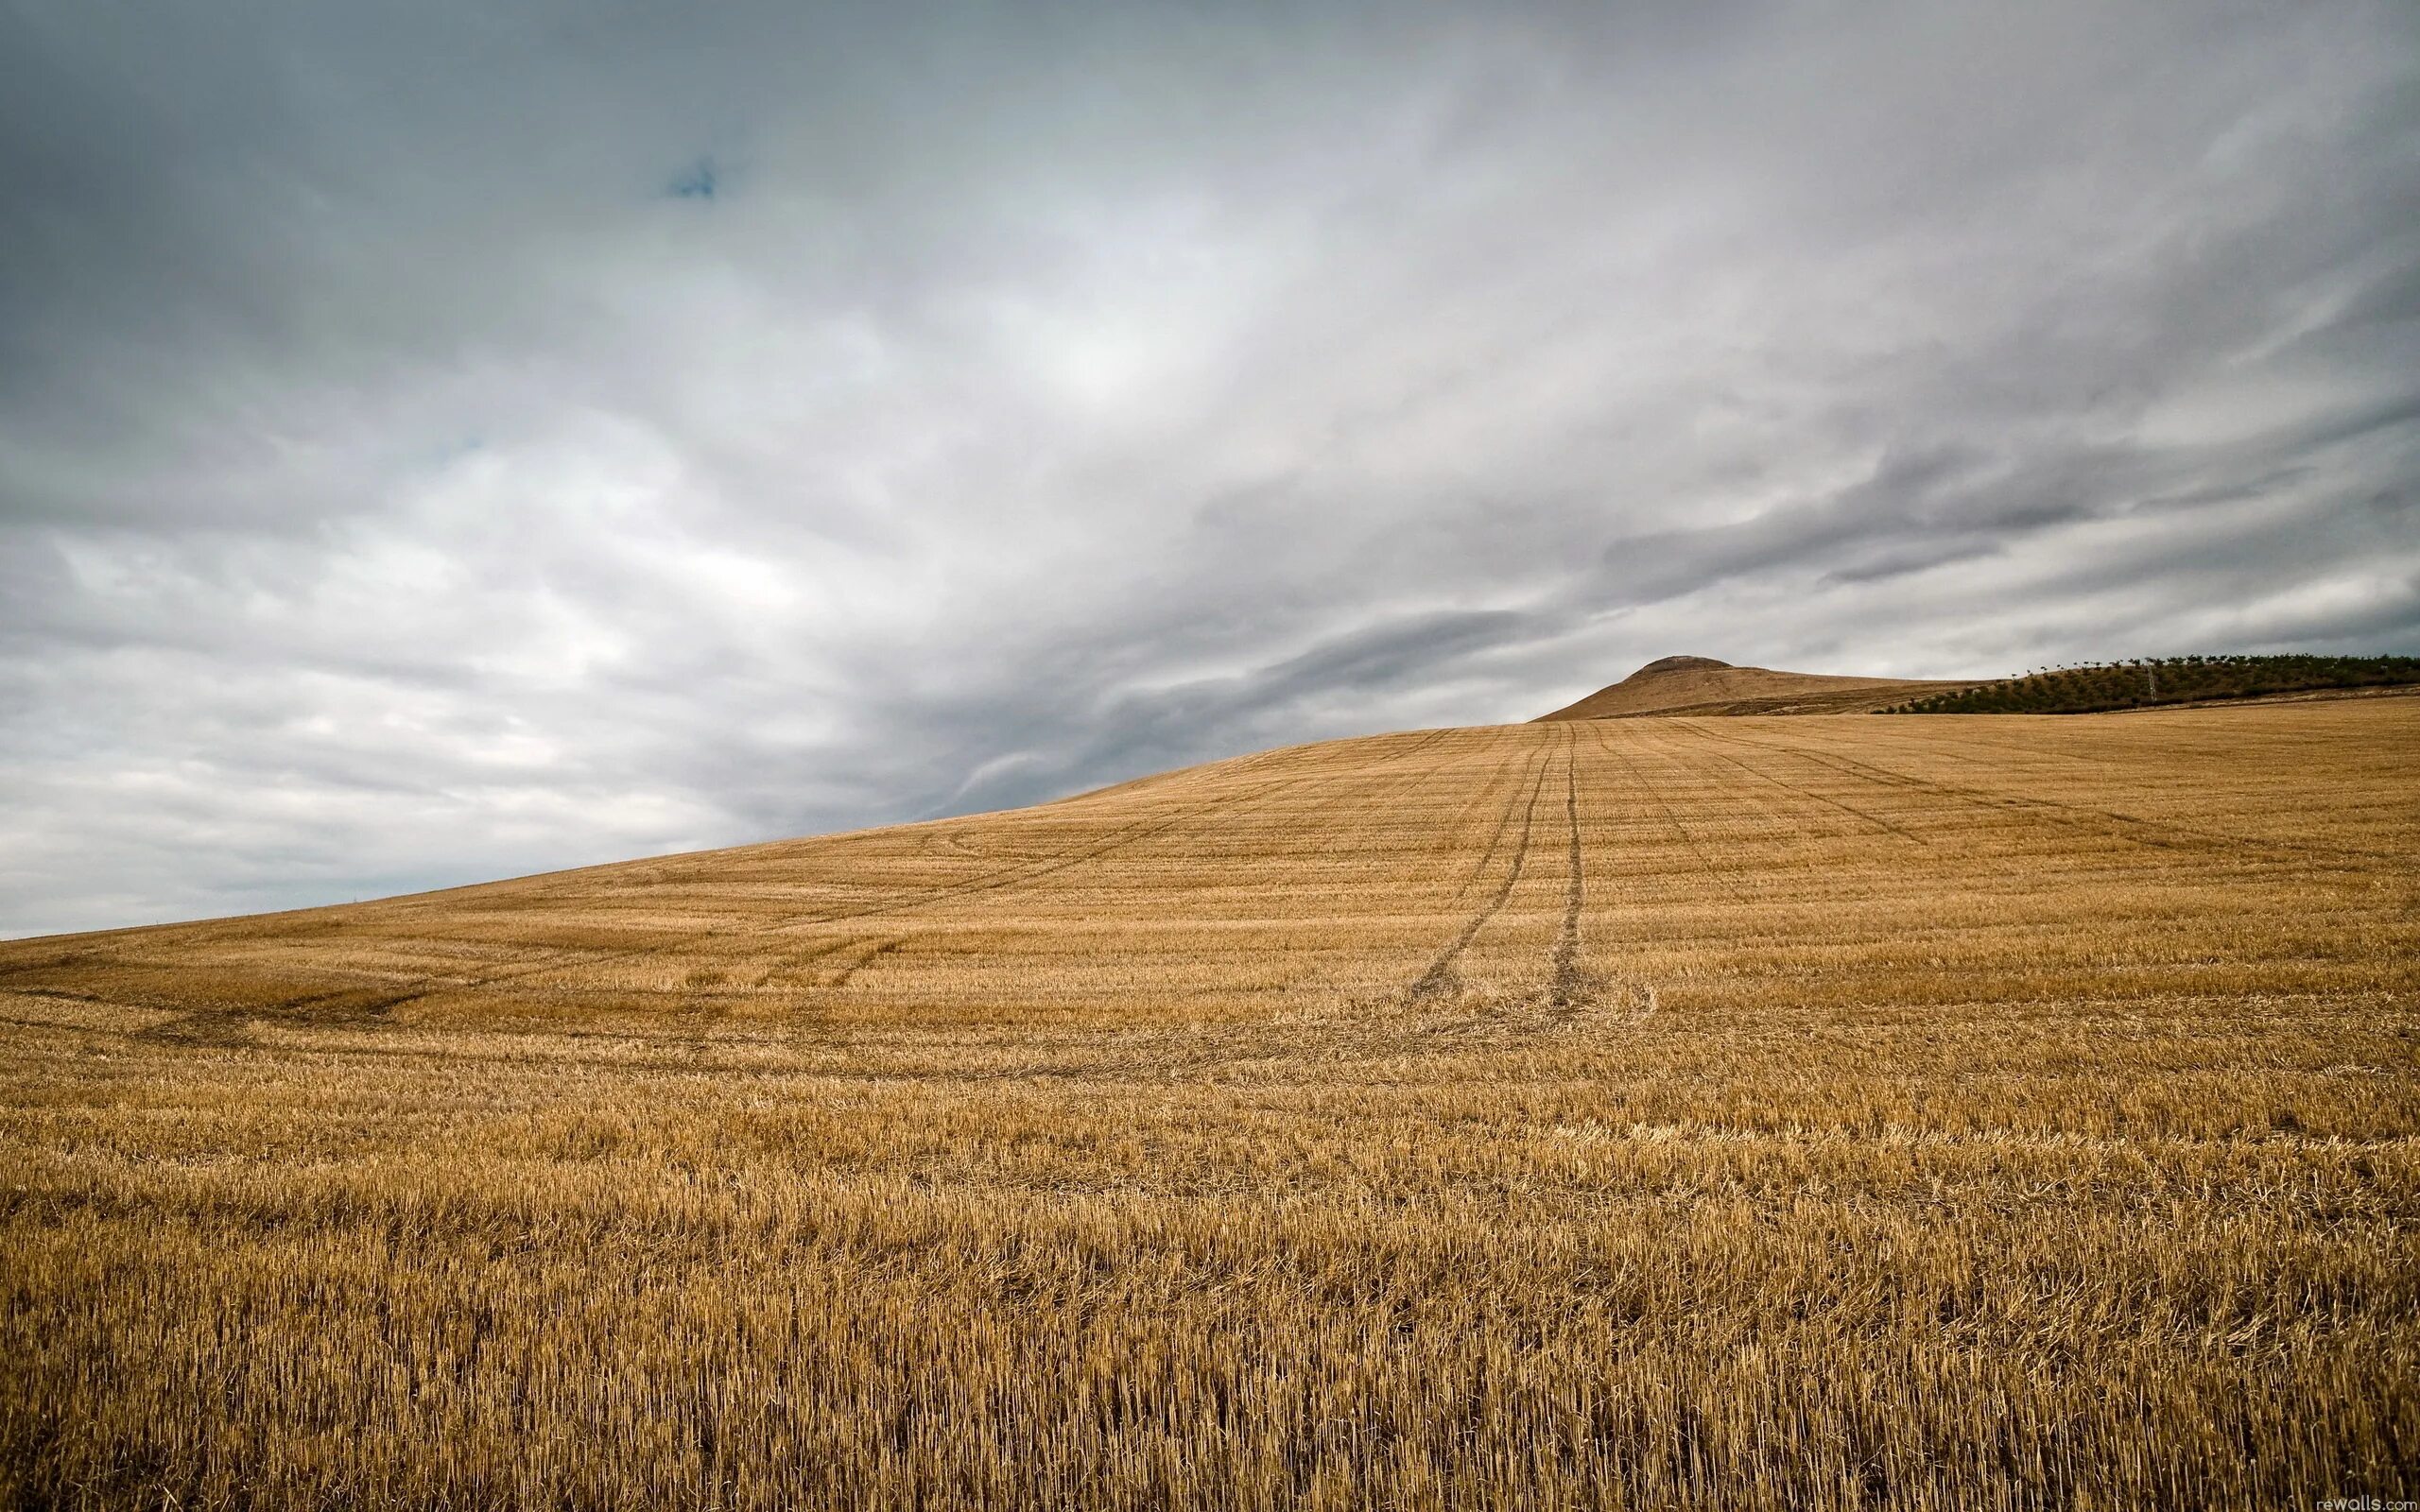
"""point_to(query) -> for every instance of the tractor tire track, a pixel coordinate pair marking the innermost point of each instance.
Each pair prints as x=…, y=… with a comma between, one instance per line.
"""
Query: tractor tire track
x=1123, y=836
x=1705, y=863
x=1001, y=875
x=2084, y=815
x=805, y=959
x=1478, y=797
x=1503, y=823
x=1571, y=989
x=367, y=1000
x=2078, y=818
x=1440, y=976
x=1793, y=788
x=848, y=972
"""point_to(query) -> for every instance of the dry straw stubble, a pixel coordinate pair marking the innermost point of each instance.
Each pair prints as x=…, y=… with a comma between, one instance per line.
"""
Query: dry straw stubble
x=1962, y=1112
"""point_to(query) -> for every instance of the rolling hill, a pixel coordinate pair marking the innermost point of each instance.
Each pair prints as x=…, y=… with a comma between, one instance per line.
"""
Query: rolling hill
x=1294, y=880
x=1837, y=1113
x=1701, y=685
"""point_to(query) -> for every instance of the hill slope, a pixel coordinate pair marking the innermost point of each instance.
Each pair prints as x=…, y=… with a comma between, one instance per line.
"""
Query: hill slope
x=1701, y=685
x=1292, y=879
x=1926, y=1112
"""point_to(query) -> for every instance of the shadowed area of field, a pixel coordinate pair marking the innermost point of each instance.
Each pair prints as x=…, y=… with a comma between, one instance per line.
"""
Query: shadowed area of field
x=1966, y=1112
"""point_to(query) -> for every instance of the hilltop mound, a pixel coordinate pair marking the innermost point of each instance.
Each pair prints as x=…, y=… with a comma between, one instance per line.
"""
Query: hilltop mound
x=1701, y=685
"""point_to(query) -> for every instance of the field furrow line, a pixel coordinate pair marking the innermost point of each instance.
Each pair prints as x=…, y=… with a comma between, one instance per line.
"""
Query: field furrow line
x=1008, y=877
x=881, y=949
x=1570, y=988
x=1794, y=789
x=1503, y=824
x=1673, y=820
x=1118, y=839
x=1441, y=975
x=2150, y=833
x=2084, y=815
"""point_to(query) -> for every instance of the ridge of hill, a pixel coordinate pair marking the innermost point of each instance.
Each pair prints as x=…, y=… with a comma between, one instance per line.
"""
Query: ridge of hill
x=2151, y=682
x=1701, y=685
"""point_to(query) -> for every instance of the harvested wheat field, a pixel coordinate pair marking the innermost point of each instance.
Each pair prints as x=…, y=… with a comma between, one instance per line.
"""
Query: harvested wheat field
x=1961, y=1112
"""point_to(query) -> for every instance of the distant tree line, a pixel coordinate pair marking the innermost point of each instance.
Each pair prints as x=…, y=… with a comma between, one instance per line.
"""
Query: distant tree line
x=2150, y=680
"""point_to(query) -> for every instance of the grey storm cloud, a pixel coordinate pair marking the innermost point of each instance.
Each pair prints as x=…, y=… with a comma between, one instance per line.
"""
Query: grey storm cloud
x=443, y=442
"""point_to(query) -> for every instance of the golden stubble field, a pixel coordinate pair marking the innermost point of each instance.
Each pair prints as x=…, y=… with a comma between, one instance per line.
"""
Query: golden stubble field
x=1819, y=1112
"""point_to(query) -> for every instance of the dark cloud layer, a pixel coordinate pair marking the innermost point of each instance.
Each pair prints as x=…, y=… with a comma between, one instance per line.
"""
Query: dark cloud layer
x=439, y=442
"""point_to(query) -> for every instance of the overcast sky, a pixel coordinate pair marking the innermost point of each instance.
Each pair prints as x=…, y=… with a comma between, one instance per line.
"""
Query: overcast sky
x=444, y=440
